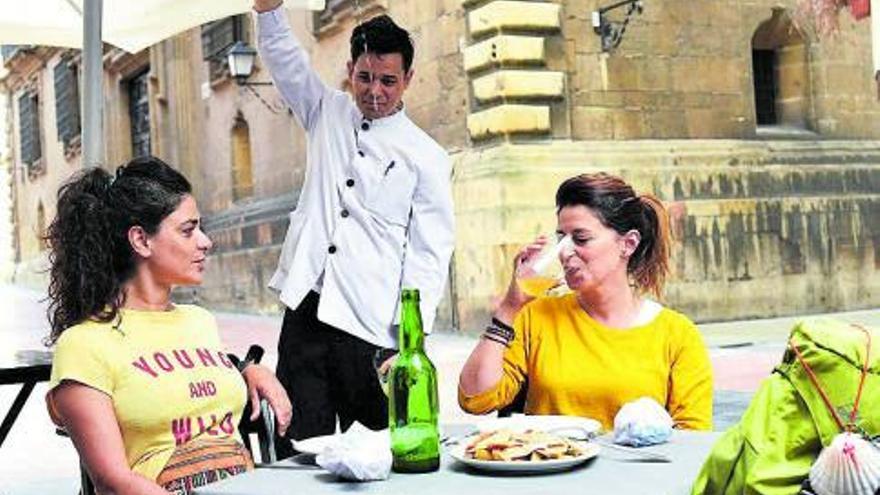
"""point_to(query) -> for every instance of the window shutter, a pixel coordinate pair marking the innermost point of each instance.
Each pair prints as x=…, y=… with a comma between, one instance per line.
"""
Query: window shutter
x=67, y=119
x=29, y=128
x=217, y=38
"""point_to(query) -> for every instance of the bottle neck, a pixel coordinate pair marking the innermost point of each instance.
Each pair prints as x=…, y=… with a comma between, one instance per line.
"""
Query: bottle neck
x=411, y=337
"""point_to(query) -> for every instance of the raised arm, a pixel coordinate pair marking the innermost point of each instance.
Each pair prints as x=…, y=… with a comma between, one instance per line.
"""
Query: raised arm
x=484, y=368
x=288, y=62
x=266, y=5
x=87, y=415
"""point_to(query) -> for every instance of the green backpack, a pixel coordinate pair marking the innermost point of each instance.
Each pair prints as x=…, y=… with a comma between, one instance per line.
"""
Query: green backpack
x=771, y=449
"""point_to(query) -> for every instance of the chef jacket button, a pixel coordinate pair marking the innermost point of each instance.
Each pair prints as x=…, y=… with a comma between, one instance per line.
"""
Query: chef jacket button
x=365, y=126
x=331, y=249
x=360, y=153
x=344, y=213
x=349, y=183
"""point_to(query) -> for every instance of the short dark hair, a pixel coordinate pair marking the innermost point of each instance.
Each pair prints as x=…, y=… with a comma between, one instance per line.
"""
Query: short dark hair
x=619, y=207
x=89, y=253
x=380, y=35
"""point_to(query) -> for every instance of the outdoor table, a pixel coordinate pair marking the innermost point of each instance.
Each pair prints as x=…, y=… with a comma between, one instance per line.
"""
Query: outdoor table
x=27, y=368
x=609, y=472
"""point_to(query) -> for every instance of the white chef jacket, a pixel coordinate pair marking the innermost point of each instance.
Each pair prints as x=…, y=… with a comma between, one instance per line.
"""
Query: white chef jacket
x=375, y=212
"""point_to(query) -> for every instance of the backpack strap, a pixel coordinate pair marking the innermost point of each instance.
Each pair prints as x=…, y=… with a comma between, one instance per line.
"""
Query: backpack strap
x=850, y=424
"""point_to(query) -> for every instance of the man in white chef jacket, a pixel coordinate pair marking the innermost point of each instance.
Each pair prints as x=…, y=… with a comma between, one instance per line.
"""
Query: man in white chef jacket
x=374, y=215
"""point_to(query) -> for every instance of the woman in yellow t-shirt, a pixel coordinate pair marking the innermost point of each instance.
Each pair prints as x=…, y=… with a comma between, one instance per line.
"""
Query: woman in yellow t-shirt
x=603, y=344
x=142, y=385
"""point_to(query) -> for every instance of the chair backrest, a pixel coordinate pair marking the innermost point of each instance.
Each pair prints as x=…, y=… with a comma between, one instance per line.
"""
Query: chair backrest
x=518, y=405
x=264, y=427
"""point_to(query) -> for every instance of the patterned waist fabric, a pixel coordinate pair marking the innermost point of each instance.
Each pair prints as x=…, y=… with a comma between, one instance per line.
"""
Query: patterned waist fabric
x=203, y=461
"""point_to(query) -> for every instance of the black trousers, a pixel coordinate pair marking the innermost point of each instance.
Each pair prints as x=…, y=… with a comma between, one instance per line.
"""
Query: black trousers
x=328, y=374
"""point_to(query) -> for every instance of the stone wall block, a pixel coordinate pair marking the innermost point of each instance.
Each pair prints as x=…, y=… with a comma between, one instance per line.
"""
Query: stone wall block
x=512, y=15
x=519, y=84
x=504, y=50
x=509, y=119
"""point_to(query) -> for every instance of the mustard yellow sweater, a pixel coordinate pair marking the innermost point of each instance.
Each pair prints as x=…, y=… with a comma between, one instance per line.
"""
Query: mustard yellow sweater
x=577, y=366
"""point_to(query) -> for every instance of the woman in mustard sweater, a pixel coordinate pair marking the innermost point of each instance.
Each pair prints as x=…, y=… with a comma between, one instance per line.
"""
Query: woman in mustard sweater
x=603, y=344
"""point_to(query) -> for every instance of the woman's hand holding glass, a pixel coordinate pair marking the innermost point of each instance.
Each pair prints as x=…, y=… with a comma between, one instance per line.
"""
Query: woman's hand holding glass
x=536, y=270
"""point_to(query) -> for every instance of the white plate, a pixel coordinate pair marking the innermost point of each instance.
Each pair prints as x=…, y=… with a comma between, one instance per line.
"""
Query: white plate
x=315, y=445
x=523, y=467
x=571, y=426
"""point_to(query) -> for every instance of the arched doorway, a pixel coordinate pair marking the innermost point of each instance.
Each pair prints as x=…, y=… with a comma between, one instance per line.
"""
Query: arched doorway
x=780, y=73
x=242, y=168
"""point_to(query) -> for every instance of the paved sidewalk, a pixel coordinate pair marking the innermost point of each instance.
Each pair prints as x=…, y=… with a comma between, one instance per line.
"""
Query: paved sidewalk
x=34, y=461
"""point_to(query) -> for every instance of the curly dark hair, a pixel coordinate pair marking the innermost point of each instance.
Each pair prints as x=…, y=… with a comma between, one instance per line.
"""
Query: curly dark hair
x=89, y=252
x=380, y=35
x=619, y=207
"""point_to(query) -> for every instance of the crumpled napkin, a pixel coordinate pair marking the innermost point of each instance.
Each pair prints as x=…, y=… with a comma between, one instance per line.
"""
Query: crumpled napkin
x=359, y=454
x=642, y=422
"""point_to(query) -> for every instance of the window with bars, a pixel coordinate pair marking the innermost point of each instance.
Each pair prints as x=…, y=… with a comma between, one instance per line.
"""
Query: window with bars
x=29, y=130
x=67, y=120
x=217, y=38
x=139, y=113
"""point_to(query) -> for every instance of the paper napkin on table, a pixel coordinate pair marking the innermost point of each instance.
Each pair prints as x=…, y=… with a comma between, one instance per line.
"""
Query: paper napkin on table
x=359, y=454
x=642, y=422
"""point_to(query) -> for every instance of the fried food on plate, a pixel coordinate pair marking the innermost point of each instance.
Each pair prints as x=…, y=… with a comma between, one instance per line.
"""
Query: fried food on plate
x=529, y=445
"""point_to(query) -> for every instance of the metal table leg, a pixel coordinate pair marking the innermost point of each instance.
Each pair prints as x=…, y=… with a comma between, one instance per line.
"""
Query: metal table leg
x=15, y=410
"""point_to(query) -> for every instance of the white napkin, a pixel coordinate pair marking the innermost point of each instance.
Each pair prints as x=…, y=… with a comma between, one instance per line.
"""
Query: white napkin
x=359, y=454
x=642, y=422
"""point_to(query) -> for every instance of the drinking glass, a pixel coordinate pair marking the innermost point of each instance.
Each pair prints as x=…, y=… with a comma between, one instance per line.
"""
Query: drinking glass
x=543, y=271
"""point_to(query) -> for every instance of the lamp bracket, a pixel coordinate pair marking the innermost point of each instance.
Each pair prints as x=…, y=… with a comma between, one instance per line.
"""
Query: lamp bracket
x=274, y=108
x=611, y=32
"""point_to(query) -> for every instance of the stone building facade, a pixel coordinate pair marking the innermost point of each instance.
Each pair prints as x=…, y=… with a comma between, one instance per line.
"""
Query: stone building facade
x=764, y=141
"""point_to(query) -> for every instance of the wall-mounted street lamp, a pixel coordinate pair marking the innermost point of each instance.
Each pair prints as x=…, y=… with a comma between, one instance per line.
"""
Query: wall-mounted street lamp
x=240, y=59
x=611, y=32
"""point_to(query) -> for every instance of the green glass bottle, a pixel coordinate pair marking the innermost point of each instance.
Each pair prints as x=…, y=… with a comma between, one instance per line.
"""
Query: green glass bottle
x=413, y=407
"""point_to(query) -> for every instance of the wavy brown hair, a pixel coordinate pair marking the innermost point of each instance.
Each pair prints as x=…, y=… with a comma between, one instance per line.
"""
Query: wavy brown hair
x=89, y=252
x=619, y=207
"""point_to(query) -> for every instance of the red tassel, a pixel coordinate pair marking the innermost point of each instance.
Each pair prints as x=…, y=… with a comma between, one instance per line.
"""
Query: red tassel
x=860, y=8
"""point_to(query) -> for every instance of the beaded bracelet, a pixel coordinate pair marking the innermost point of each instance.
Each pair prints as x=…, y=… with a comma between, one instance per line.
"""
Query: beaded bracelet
x=498, y=331
x=496, y=338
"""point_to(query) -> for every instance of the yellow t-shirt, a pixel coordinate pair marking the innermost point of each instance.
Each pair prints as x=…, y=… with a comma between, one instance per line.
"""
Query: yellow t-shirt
x=577, y=366
x=166, y=373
